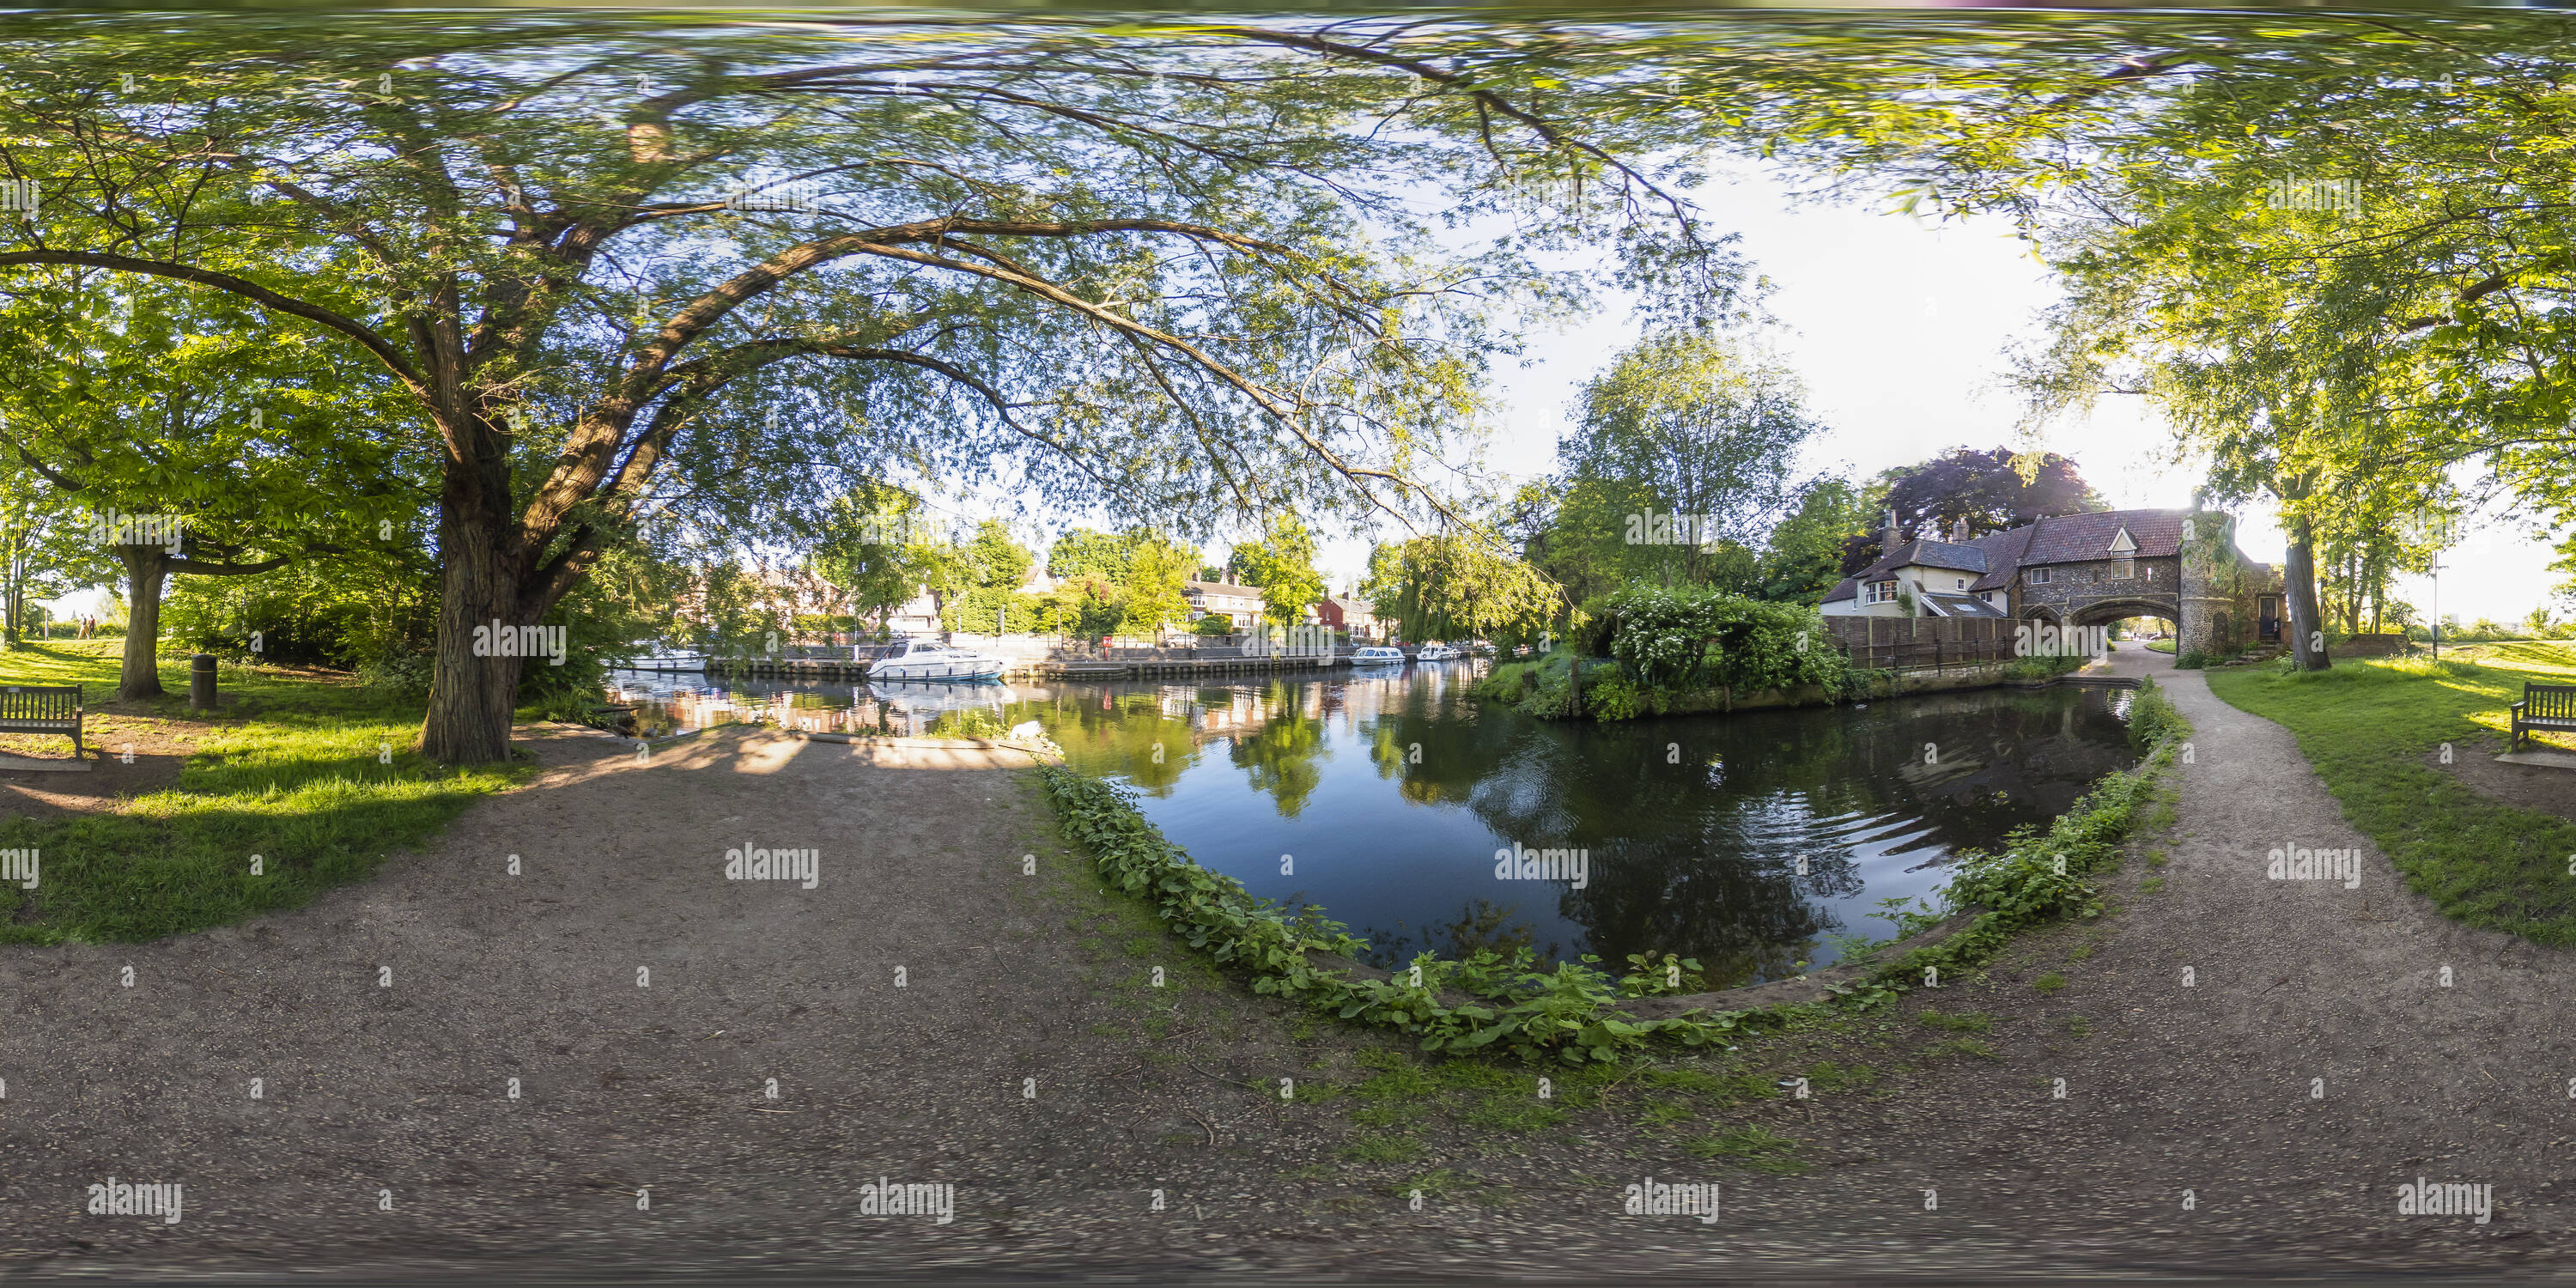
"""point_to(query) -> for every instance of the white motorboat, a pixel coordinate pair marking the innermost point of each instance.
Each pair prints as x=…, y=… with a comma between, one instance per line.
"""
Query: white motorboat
x=932, y=660
x=1436, y=652
x=1377, y=655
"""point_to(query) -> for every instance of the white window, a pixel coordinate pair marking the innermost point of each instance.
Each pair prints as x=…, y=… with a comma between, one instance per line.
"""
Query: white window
x=1963, y=582
x=2036, y=577
x=2124, y=568
x=1882, y=592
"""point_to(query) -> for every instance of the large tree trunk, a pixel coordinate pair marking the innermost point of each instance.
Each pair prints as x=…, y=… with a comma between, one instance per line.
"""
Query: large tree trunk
x=146, y=570
x=472, y=697
x=2300, y=594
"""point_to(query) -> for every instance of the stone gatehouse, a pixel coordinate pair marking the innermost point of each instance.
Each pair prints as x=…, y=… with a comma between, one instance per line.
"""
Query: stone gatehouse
x=2079, y=570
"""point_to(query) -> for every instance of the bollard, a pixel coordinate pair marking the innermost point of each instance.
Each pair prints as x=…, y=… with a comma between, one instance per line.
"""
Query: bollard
x=201, y=681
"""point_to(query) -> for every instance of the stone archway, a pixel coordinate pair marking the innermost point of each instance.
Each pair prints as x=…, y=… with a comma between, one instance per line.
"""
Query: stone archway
x=2102, y=612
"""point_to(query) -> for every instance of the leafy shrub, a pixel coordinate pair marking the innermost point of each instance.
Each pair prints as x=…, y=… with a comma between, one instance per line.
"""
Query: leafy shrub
x=2040, y=668
x=404, y=674
x=1213, y=624
x=1613, y=696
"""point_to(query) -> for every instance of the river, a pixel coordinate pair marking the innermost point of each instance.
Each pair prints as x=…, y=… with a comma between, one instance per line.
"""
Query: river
x=1758, y=843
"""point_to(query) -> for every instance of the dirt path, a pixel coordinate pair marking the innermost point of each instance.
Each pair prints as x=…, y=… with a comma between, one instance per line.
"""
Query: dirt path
x=368, y=1088
x=2444, y=1052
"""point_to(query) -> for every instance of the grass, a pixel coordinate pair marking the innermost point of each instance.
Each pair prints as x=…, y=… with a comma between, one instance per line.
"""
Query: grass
x=2049, y=983
x=1956, y=1022
x=2160, y=646
x=1959, y=1046
x=1751, y=1147
x=2369, y=728
x=315, y=776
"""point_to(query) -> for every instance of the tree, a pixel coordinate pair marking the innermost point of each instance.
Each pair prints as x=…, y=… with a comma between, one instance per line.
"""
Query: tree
x=2332, y=253
x=1083, y=258
x=1457, y=585
x=1282, y=564
x=1083, y=552
x=993, y=560
x=1992, y=490
x=1683, y=449
x=875, y=549
x=1152, y=596
x=43, y=550
x=1804, y=557
x=201, y=439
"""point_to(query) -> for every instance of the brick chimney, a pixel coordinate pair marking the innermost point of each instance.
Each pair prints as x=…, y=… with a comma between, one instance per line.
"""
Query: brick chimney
x=1890, y=538
x=1959, y=531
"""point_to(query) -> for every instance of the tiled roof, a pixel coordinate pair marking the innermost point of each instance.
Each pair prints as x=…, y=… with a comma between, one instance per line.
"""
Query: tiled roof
x=2076, y=538
x=1927, y=554
x=1998, y=557
x=1223, y=588
x=2003, y=557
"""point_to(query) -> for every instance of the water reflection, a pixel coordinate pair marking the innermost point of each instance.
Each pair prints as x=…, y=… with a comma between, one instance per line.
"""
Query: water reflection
x=1748, y=841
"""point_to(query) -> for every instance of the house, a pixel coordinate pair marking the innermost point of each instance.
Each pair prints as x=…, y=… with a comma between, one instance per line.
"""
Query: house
x=2076, y=570
x=1240, y=605
x=1356, y=616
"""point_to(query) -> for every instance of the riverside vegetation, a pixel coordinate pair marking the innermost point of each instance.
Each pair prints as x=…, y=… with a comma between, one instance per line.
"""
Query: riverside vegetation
x=1651, y=650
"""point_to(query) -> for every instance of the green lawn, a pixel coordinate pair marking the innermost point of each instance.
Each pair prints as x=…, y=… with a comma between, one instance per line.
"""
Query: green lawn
x=2367, y=726
x=2160, y=646
x=294, y=771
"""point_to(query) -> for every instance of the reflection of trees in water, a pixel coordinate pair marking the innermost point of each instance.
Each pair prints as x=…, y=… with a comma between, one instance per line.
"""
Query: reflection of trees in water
x=1118, y=739
x=1696, y=857
x=1283, y=756
x=1481, y=924
x=1700, y=858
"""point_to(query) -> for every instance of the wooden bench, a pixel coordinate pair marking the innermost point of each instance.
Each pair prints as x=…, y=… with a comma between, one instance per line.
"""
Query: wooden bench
x=2543, y=706
x=42, y=708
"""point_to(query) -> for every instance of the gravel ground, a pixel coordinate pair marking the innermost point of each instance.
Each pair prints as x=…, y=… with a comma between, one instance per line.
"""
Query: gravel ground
x=644, y=1139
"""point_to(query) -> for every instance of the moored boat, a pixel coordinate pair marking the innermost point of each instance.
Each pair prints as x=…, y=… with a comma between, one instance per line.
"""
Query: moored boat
x=931, y=660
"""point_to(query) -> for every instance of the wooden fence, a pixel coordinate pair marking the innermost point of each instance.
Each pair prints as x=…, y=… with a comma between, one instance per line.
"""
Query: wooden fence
x=1910, y=643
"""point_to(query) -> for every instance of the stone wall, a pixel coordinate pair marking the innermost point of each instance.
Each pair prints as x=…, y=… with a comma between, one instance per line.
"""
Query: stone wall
x=2073, y=588
x=2218, y=605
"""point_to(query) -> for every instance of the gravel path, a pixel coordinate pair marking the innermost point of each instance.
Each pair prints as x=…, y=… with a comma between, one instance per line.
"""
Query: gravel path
x=368, y=1088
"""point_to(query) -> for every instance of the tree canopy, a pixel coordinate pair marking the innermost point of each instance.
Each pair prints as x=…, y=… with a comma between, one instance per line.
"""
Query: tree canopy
x=1173, y=272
